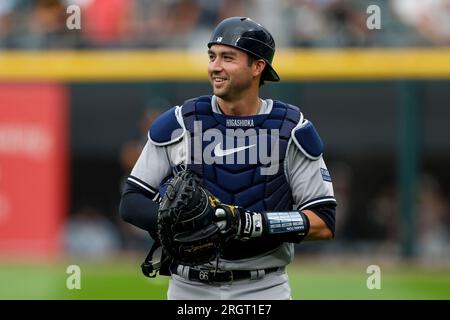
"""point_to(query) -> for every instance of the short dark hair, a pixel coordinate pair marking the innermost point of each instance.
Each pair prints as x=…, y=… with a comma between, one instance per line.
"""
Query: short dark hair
x=252, y=58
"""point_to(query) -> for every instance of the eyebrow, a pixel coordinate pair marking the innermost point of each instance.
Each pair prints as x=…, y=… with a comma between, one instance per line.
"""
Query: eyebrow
x=228, y=52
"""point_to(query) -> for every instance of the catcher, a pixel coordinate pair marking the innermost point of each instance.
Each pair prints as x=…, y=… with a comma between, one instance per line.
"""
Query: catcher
x=228, y=183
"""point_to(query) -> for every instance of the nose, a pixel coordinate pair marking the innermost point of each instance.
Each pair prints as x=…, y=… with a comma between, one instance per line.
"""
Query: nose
x=215, y=65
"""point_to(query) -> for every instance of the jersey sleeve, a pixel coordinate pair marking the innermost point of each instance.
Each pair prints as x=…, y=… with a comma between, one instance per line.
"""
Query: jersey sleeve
x=310, y=180
x=150, y=169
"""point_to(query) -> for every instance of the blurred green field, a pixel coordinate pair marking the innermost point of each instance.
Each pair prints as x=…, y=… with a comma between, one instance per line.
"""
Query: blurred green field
x=121, y=279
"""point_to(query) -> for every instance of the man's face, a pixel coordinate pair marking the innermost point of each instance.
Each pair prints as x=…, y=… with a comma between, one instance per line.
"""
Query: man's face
x=229, y=71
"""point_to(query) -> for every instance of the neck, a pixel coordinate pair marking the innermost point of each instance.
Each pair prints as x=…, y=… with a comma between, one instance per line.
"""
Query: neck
x=245, y=106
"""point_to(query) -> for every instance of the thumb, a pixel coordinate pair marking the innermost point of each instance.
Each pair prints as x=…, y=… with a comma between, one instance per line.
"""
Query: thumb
x=221, y=214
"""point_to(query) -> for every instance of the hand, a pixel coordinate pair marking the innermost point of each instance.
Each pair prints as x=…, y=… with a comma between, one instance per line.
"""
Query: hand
x=238, y=223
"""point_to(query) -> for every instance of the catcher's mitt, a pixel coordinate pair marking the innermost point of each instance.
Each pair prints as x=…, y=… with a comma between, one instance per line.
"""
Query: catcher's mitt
x=188, y=229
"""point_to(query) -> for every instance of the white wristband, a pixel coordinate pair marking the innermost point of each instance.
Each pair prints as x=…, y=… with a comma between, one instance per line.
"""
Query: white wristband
x=257, y=225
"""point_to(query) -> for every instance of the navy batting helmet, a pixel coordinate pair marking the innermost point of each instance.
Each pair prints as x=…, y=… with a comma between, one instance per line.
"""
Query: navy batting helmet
x=245, y=34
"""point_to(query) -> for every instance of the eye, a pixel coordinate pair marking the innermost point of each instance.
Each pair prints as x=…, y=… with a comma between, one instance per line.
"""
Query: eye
x=228, y=58
x=211, y=57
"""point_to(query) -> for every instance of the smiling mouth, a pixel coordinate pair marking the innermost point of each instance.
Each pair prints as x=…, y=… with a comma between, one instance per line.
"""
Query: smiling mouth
x=218, y=80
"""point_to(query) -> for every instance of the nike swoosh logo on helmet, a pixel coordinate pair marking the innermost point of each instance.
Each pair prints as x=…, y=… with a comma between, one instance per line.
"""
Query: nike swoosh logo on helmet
x=219, y=152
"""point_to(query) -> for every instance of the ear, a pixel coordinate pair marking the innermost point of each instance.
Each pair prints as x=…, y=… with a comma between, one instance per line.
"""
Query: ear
x=258, y=67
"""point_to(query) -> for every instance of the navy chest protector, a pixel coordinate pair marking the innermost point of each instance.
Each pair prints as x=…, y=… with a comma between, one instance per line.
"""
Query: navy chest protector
x=241, y=160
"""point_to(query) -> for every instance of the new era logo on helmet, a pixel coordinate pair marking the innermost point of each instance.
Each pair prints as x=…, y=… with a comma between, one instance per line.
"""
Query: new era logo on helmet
x=219, y=39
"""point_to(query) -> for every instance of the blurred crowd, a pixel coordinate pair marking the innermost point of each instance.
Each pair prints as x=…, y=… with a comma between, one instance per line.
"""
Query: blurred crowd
x=378, y=224
x=41, y=24
x=91, y=231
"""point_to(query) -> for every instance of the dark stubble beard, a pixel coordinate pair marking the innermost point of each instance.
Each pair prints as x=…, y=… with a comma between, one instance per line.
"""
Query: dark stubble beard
x=235, y=91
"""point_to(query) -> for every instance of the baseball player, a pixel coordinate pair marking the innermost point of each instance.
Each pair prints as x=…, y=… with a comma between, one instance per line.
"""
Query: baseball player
x=261, y=179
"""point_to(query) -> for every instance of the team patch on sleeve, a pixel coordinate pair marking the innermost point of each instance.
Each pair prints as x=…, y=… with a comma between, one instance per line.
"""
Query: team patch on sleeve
x=325, y=174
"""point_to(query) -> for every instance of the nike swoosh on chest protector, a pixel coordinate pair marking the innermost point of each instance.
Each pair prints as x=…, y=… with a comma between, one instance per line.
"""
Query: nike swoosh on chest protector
x=219, y=152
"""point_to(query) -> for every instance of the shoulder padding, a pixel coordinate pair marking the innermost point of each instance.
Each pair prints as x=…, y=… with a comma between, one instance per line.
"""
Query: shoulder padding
x=307, y=139
x=168, y=128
